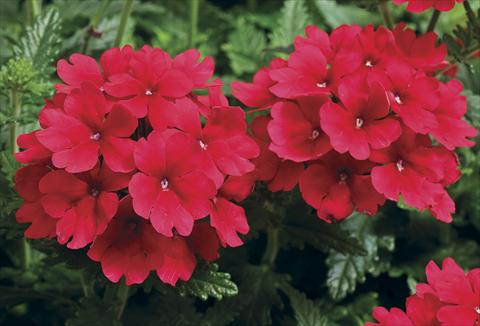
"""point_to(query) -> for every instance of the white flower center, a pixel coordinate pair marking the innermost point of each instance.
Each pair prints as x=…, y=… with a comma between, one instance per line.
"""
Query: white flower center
x=95, y=136
x=359, y=123
x=398, y=99
x=368, y=63
x=94, y=191
x=203, y=145
x=315, y=134
x=477, y=310
x=164, y=184
x=148, y=92
x=102, y=89
x=343, y=177
x=400, y=165
x=322, y=85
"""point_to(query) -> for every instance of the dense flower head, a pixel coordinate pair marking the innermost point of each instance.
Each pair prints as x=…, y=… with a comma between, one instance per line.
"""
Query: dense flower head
x=356, y=117
x=422, y=5
x=450, y=297
x=133, y=164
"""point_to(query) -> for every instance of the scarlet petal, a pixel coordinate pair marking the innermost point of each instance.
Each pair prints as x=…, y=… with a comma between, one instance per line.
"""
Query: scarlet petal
x=82, y=69
x=144, y=190
x=457, y=315
x=27, y=181
x=119, y=122
x=195, y=189
x=69, y=159
x=315, y=183
x=204, y=241
x=124, y=85
x=382, y=133
x=286, y=177
x=174, y=83
x=137, y=269
x=138, y=105
x=227, y=160
x=118, y=153
x=228, y=219
x=365, y=197
x=168, y=212
x=337, y=204
x=113, y=265
x=42, y=225
x=178, y=261
x=149, y=155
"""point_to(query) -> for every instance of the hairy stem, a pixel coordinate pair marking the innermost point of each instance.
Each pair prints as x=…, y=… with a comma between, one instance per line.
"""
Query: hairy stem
x=94, y=22
x=433, y=20
x=126, y=10
x=271, y=250
x=122, y=294
x=385, y=12
x=15, y=102
x=194, y=8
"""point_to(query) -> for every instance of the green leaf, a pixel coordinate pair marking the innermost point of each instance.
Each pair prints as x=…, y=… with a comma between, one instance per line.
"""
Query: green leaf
x=345, y=271
x=307, y=312
x=292, y=21
x=41, y=41
x=335, y=14
x=209, y=283
x=259, y=294
x=95, y=312
x=355, y=313
x=245, y=48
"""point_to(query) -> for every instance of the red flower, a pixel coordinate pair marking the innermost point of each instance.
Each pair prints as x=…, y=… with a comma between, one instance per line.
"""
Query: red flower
x=394, y=317
x=78, y=135
x=415, y=170
x=420, y=52
x=170, y=190
x=85, y=69
x=226, y=147
x=452, y=131
x=27, y=179
x=336, y=184
x=306, y=75
x=131, y=247
x=82, y=204
x=152, y=77
x=413, y=98
x=258, y=94
x=361, y=122
x=295, y=130
x=459, y=292
x=422, y=5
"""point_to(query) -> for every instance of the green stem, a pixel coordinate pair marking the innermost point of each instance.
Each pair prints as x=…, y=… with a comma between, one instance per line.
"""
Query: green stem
x=192, y=36
x=122, y=294
x=272, y=248
x=94, y=22
x=385, y=12
x=33, y=8
x=87, y=289
x=471, y=17
x=109, y=294
x=126, y=10
x=15, y=102
x=433, y=20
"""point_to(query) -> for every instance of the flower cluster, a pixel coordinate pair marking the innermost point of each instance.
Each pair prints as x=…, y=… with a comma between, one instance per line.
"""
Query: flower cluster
x=417, y=6
x=130, y=161
x=450, y=297
x=358, y=117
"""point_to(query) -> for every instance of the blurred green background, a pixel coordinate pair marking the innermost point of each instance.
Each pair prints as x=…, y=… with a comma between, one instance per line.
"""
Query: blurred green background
x=321, y=274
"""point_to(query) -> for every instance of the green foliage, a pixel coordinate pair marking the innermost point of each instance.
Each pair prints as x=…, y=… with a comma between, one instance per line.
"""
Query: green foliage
x=306, y=312
x=347, y=270
x=40, y=44
x=245, y=48
x=209, y=282
x=17, y=74
x=94, y=311
x=291, y=22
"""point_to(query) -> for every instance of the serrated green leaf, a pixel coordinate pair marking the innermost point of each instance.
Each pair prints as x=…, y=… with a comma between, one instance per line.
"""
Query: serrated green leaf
x=259, y=294
x=292, y=21
x=95, y=312
x=345, y=271
x=307, y=312
x=41, y=41
x=209, y=283
x=245, y=48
